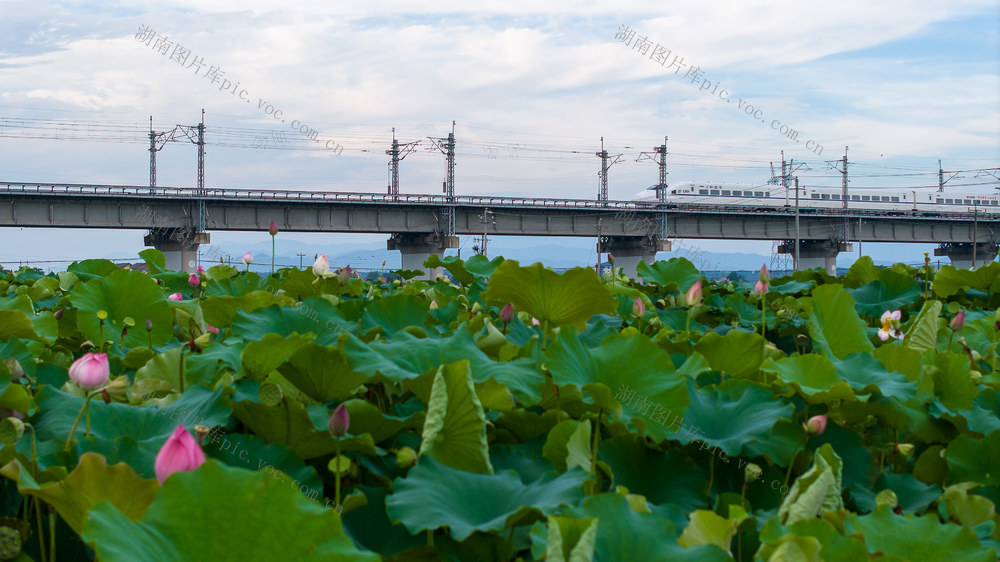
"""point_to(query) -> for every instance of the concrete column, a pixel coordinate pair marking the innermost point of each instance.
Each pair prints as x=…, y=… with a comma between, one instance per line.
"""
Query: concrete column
x=179, y=246
x=960, y=254
x=416, y=247
x=630, y=250
x=816, y=253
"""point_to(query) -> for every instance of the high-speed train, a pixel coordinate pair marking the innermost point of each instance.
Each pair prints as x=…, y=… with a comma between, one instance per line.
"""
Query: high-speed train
x=888, y=199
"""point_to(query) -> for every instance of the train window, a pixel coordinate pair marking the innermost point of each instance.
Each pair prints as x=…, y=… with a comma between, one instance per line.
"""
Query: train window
x=725, y=192
x=714, y=192
x=994, y=203
x=702, y=192
x=949, y=201
x=885, y=197
x=940, y=200
x=835, y=197
x=856, y=197
x=865, y=198
x=767, y=194
x=826, y=196
x=815, y=195
x=758, y=193
x=895, y=198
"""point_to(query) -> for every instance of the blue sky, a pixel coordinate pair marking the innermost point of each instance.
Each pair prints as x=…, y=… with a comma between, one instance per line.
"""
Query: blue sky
x=532, y=85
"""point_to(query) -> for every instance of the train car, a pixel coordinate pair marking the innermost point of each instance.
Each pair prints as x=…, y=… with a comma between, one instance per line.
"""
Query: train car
x=888, y=199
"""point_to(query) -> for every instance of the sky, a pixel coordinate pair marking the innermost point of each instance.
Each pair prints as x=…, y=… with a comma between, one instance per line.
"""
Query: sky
x=532, y=88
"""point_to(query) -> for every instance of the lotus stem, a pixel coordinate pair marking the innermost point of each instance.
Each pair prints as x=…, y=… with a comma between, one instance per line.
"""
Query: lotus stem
x=41, y=533
x=791, y=463
x=711, y=474
x=76, y=422
x=336, y=484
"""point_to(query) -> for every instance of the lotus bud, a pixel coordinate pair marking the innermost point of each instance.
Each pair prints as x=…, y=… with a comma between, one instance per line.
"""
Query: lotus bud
x=180, y=453
x=638, y=307
x=611, y=258
x=193, y=280
x=887, y=497
x=927, y=258
x=693, y=296
x=434, y=304
x=958, y=321
x=345, y=274
x=752, y=472
x=16, y=372
x=175, y=297
x=211, y=329
x=535, y=321
x=765, y=275
x=247, y=258
x=149, y=325
x=273, y=228
x=816, y=425
x=975, y=376
x=202, y=341
x=90, y=371
x=58, y=314
x=321, y=267
x=406, y=457
x=760, y=288
x=201, y=270
x=117, y=389
x=340, y=421
x=507, y=313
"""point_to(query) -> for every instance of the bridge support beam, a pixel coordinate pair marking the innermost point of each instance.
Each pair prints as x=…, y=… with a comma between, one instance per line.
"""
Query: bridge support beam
x=179, y=245
x=630, y=250
x=816, y=253
x=416, y=247
x=960, y=254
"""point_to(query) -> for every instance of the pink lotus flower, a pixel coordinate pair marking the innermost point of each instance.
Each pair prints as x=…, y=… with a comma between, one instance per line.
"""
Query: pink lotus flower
x=535, y=322
x=345, y=274
x=693, y=296
x=339, y=421
x=760, y=288
x=816, y=425
x=90, y=371
x=958, y=321
x=201, y=270
x=273, y=229
x=321, y=267
x=193, y=280
x=211, y=328
x=507, y=313
x=890, y=325
x=639, y=307
x=175, y=297
x=247, y=258
x=181, y=453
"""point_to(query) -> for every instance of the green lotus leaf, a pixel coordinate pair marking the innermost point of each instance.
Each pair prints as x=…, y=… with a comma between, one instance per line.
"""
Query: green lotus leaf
x=984, y=415
x=322, y=373
x=261, y=357
x=675, y=274
x=624, y=534
x=892, y=291
x=968, y=509
x=252, y=453
x=923, y=333
x=738, y=353
x=317, y=317
x=628, y=375
x=459, y=269
x=791, y=287
x=394, y=313
x=367, y=418
x=866, y=375
x=916, y=537
x=812, y=375
x=730, y=418
x=16, y=324
x=953, y=381
x=834, y=325
x=913, y=495
x=706, y=527
x=433, y=495
x=156, y=261
x=568, y=445
x=570, y=298
x=91, y=482
x=370, y=527
x=804, y=536
x=88, y=270
x=123, y=293
x=817, y=491
x=164, y=366
x=950, y=280
x=571, y=540
x=182, y=524
x=455, y=428
x=663, y=477
x=408, y=357
x=221, y=310
x=974, y=460
x=289, y=424
x=862, y=272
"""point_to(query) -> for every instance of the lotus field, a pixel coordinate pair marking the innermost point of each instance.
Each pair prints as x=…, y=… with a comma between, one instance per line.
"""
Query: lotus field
x=501, y=412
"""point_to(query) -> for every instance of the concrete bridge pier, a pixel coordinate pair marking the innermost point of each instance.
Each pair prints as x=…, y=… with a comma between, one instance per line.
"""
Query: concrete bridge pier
x=960, y=253
x=816, y=253
x=418, y=246
x=630, y=250
x=179, y=245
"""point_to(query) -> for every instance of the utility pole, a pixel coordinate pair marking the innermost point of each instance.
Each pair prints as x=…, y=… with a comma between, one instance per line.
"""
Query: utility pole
x=602, y=194
x=447, y=146
x=301, y=255
x=659, y=156
x=152, y=156
x=975, y=230
x=940, y=176
x=798, y=241
x=841, y=166
x=398, y=153
x=201, y=173
x=485, y=217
